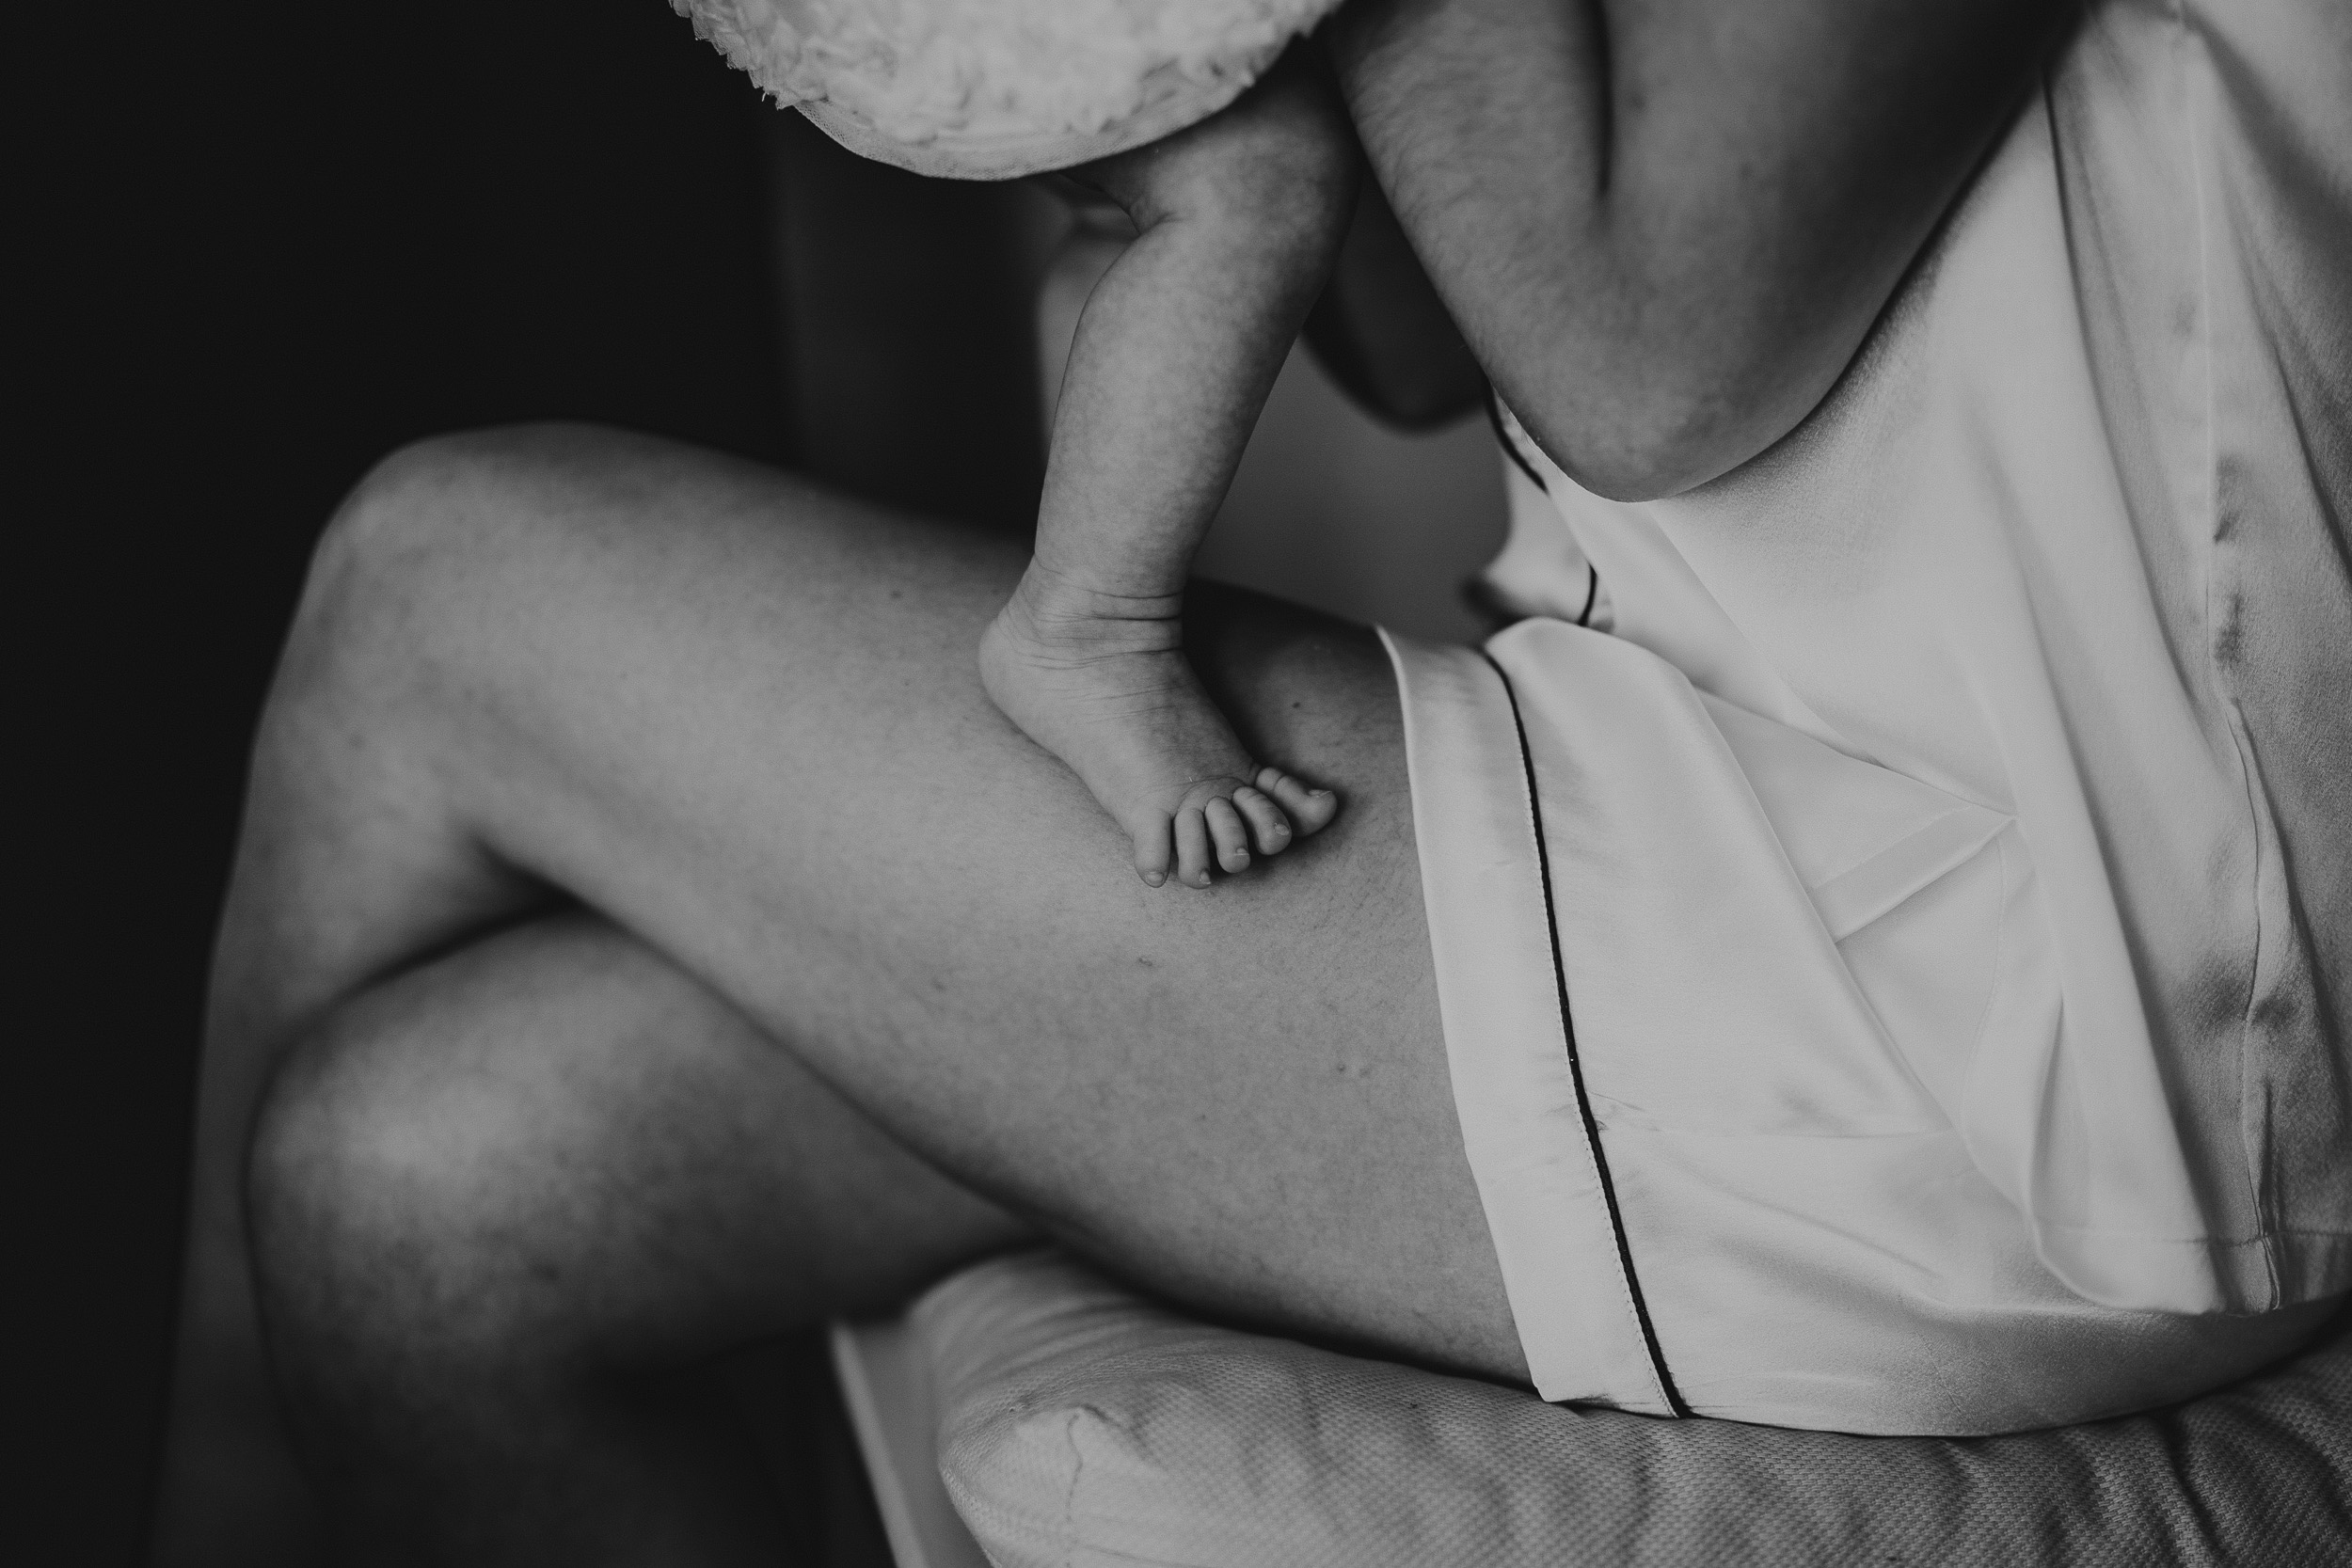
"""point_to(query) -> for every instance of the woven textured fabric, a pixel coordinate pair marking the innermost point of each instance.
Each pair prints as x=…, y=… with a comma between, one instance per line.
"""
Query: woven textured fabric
x=1082, y=1425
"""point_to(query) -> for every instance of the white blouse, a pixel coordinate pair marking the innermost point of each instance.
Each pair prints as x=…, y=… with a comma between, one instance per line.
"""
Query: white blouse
x=2070, y=546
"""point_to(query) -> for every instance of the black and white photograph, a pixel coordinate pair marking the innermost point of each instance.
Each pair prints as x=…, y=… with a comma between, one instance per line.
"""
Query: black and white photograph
x=1186, y=784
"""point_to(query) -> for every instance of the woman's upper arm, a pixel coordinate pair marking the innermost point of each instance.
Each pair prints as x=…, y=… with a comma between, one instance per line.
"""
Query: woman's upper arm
x=1666, y=225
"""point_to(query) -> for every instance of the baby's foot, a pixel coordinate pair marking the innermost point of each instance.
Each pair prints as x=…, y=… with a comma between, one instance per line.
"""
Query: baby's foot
x=1112, y=696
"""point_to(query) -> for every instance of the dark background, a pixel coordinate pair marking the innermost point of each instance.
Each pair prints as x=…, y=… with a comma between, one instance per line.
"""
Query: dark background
x=268, y=244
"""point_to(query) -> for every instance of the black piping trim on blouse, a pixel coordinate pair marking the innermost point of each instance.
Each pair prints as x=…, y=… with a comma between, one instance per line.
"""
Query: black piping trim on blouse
x=1576, y=1067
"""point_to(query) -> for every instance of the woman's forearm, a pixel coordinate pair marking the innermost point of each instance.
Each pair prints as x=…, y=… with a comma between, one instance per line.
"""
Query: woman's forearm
x=1665, y=225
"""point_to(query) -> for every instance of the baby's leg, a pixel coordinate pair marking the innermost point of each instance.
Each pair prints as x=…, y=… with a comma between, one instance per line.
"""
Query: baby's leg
x=1238, y=220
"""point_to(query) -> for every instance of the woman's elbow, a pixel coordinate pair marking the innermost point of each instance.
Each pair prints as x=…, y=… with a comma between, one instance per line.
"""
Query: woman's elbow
x=1644, y=437
x=1630, y=454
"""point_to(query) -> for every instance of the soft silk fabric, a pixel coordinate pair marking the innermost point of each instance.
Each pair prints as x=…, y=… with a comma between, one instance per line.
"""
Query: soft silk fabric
x=1945, y=818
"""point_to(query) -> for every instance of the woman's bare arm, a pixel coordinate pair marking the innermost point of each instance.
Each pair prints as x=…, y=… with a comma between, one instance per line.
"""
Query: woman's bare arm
x=1665, y=225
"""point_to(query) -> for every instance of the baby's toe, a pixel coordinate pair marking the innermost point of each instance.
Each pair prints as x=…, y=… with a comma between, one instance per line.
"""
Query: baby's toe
x=1309, y=810
x=1270, y=830
x=1228, y=834
x=1192, y=848
x=1151, y=843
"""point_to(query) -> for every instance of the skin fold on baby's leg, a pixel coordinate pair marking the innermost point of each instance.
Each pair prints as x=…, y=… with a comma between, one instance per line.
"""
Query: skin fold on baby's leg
x=1238, y=220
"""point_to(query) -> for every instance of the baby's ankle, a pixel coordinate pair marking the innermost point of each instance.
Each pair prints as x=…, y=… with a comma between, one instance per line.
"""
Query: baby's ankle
x=1064, y=607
